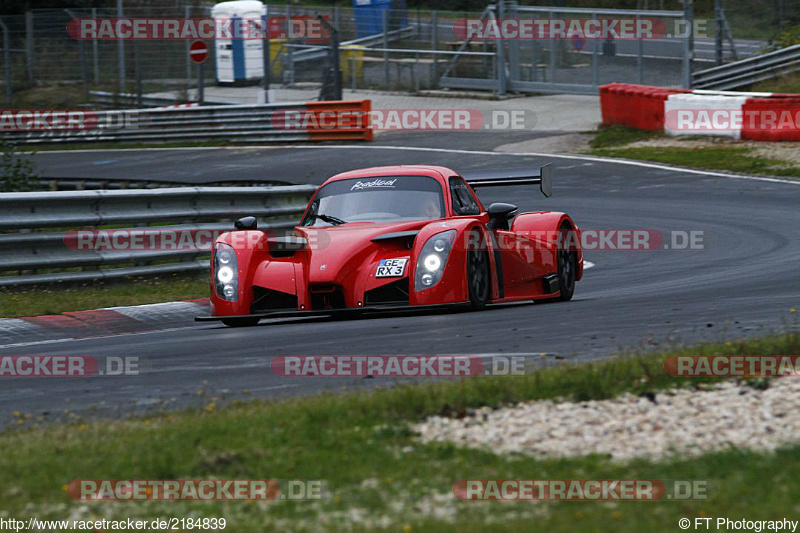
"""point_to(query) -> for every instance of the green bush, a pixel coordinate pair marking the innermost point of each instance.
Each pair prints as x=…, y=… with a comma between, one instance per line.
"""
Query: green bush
x=788, y=37
x=17, y=173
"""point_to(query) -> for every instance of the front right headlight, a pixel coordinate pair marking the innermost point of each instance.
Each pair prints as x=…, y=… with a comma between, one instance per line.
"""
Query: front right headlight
x=226, y=278
x=432, y=259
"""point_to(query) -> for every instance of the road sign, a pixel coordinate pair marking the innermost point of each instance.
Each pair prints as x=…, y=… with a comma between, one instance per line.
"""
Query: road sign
x=198, y=51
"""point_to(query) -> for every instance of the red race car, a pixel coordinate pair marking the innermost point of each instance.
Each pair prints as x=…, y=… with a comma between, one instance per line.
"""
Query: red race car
x=400, y=237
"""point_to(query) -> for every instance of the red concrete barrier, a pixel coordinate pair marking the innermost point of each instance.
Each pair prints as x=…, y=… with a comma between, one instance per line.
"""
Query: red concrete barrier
x=771, y=119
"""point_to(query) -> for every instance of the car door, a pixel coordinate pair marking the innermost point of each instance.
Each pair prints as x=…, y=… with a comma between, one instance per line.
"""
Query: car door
x=514, y=254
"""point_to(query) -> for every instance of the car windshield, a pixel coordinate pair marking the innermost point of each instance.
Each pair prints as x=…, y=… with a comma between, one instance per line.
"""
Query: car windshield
x=376, y=199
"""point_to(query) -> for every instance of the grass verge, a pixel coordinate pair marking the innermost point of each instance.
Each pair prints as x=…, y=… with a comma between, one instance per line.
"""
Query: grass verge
x=785, y=84
x=379, y=477
x=614, y=141
x=42, y=300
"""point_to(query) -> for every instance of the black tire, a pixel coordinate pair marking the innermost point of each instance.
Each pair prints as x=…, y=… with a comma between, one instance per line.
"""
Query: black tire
x=240, y=322
x=567, y=267
x=478, y=274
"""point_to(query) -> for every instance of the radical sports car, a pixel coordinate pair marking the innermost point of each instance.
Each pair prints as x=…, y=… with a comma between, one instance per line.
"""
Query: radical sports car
x=399, y=237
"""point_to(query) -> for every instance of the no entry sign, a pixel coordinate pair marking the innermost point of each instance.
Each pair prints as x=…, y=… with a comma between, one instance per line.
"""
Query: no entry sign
x=198, y=51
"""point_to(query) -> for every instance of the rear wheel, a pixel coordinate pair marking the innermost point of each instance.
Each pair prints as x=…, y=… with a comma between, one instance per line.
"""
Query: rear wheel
x=240, y=322
x=478, y=279
x=567, y=265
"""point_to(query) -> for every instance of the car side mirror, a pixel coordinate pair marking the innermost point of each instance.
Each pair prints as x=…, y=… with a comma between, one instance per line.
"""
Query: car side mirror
x=500, y=214
x=246, y=223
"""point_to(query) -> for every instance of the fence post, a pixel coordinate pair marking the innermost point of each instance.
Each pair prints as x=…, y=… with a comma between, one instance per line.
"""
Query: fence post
x=289, y=47
x=553, y=51
x=639, y=57
x=385, y=14
x=84, y=65
x=435, y=46
x=688, y=43
x=95, y=55
x=29, y=45
x=7, y=62
x=513, y=50
x=137, y=69
x=121, y=53
x=500, y=53
x=265, y=57
x=336, y=21
x=596, y=59
x=187, y=13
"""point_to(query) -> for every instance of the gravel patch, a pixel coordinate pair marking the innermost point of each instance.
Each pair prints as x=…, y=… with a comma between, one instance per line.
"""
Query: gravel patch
x=681, y=421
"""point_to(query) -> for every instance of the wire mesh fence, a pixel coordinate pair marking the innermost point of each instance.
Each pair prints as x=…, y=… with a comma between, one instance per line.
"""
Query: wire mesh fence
x=392, y=48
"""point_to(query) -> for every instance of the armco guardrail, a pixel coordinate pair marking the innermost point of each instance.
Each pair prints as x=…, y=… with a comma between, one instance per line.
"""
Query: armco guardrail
x=241, y=123
x=749, y=71
x=35, y=228
x=119, y=100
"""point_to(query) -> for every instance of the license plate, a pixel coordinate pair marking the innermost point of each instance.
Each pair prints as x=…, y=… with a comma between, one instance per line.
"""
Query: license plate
x=391, y=268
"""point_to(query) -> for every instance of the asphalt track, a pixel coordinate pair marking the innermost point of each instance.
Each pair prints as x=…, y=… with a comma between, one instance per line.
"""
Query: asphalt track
x=742, y=283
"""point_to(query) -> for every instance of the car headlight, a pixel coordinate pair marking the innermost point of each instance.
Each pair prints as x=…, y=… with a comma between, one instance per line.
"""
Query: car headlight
x=432, y=259
x=226, y=281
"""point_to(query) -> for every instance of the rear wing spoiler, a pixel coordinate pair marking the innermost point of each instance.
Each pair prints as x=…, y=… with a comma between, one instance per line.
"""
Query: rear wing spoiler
x=542, y=176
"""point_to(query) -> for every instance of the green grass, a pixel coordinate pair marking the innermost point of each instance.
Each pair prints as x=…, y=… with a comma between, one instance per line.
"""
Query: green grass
x=41, y=300
x=614, y=141
x=731, y=159
x=784, y=84
x=613, y=136
x=361, y=445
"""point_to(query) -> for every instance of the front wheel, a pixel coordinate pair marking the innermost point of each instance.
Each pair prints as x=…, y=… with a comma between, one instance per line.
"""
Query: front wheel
x=478, y=279
x=240, y=322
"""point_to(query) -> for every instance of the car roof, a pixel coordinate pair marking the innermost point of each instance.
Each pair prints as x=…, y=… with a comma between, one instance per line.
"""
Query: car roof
x=439, y=173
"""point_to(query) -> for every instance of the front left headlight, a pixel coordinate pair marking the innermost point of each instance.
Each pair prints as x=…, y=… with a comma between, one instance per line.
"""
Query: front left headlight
x=432, y=259
x=226, y=278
